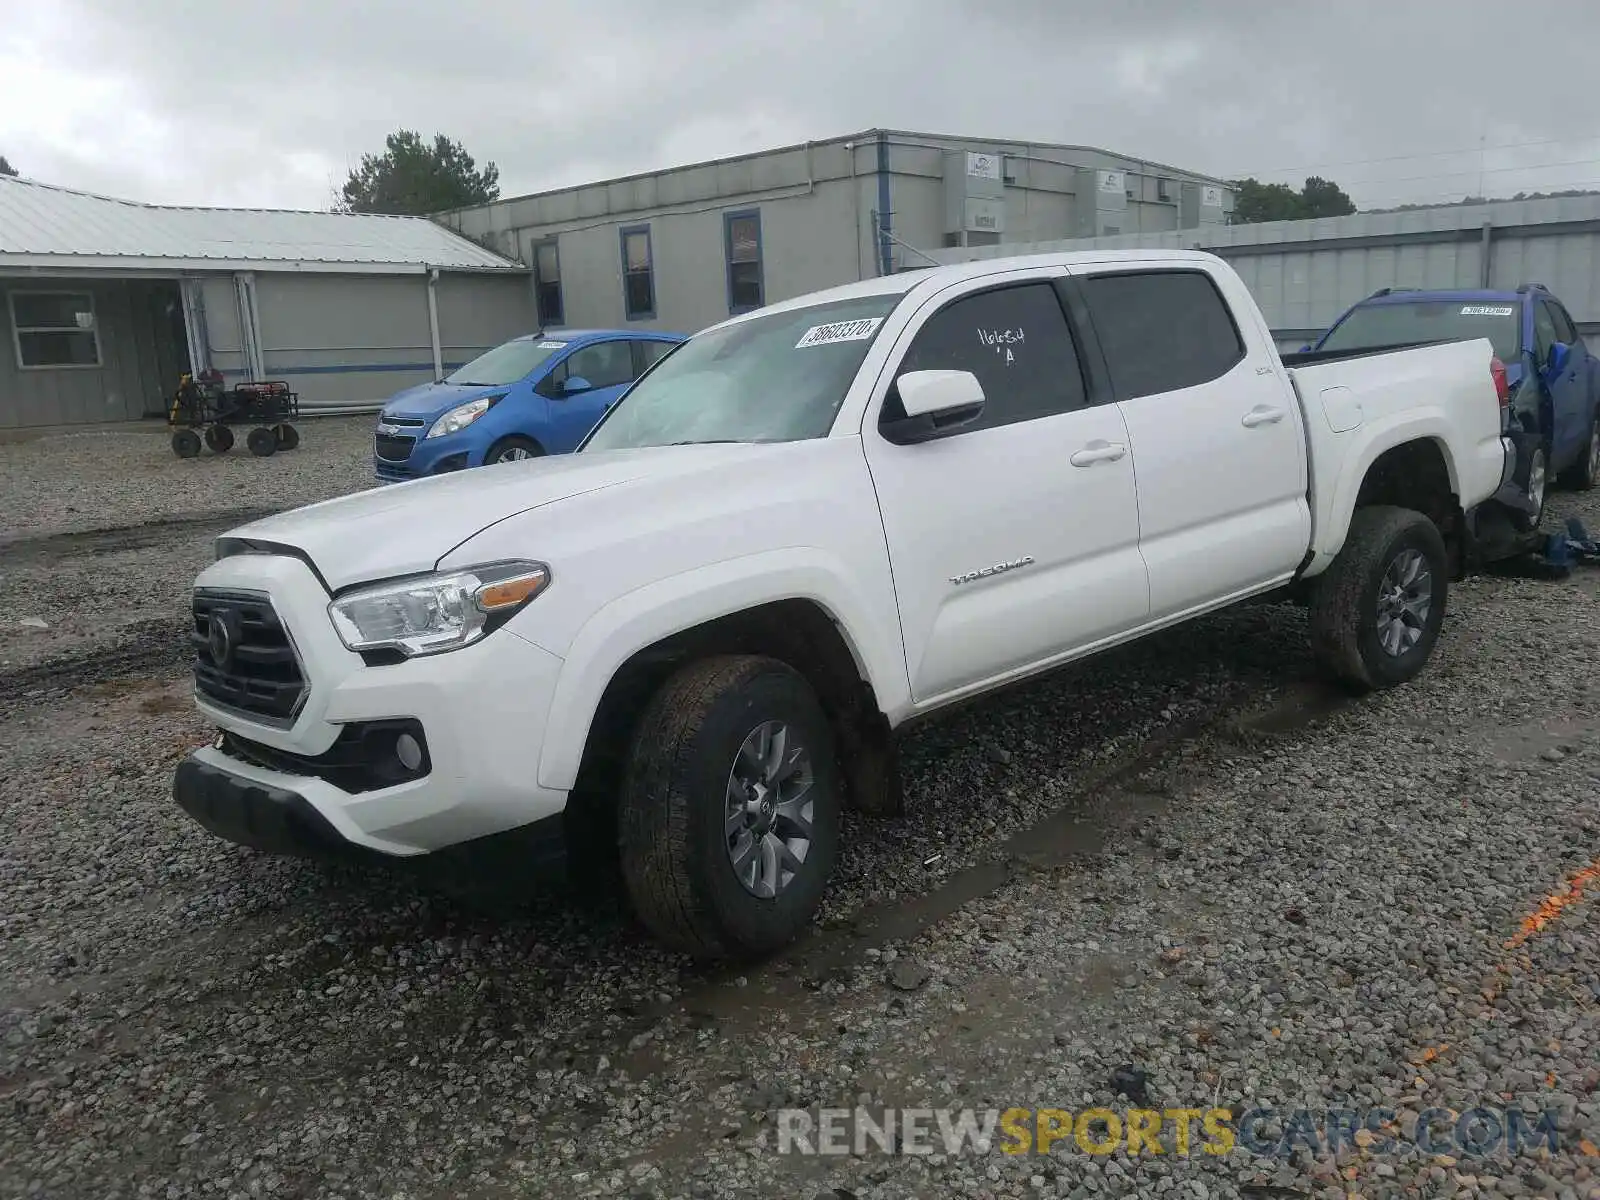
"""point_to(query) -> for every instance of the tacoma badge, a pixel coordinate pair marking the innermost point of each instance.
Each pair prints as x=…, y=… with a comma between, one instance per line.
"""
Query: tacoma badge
x=997, y=569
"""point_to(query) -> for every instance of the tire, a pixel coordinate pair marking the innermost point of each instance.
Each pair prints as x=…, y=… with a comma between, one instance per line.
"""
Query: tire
x=288, y=437
x=513, y=449
x=688, y=752
x=262, y=441
x=186, y=443
x=1537, y=480
x=1345, y=614
x=1582, y=475
x=219, y=438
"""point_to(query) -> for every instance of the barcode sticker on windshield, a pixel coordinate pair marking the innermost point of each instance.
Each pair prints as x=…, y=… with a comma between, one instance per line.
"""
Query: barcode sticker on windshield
x=552, y=345
x=839, y=331
x=1487, y=310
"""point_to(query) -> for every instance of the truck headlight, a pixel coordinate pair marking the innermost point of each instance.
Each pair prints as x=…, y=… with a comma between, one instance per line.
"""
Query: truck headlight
x=462, y=415
x=433, y=613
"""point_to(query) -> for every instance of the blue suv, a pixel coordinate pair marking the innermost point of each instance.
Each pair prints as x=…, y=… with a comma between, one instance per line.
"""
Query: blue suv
x=1552, y=402
x=531, y=396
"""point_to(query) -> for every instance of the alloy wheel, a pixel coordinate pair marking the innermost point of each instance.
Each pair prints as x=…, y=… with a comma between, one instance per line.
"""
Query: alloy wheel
x=769, y=810
x=1405, y=597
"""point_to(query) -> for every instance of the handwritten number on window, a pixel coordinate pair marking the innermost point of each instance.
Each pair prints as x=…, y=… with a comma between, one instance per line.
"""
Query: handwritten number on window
x=1002, y=342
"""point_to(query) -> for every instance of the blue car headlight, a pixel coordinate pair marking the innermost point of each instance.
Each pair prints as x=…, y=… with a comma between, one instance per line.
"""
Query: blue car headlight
x=462, y=415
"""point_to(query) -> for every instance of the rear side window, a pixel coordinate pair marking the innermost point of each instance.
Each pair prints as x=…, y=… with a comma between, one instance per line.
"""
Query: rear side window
x=1544, y=331
x=1565, y=330
x=1015, y=340
x=1162, y=330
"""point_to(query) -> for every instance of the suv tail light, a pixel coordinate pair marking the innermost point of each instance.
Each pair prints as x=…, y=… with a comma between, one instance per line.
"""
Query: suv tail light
x=1502, y=387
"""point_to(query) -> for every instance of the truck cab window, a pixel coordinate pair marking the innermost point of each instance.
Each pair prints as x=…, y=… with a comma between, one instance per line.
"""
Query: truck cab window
x=1015, y=340
x=1162, y=330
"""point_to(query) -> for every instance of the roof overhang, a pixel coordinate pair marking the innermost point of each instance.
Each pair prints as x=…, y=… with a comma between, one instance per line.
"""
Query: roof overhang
x=115, y=266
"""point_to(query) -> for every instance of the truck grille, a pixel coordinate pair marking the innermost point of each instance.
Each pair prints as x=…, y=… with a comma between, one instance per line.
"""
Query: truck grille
x=244, y=659
x=393, y=447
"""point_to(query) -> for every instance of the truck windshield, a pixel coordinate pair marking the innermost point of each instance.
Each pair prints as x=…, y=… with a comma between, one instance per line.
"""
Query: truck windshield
x=774, y=378
x=506, y=363
x=1376, y=325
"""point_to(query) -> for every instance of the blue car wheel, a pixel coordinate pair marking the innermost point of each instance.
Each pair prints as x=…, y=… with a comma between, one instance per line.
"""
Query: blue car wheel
x=513, y=449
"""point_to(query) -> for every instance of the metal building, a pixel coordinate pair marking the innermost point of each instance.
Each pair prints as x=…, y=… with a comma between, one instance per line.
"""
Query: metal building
x=684, y=248
x=106, y=302
x=1305, y=273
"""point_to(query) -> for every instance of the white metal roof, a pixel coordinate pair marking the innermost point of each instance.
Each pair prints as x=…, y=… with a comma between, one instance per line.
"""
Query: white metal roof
x=42, y=226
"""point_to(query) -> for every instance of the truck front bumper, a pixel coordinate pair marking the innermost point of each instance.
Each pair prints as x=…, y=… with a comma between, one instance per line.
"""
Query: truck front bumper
x=319, y=782
x=252, y=811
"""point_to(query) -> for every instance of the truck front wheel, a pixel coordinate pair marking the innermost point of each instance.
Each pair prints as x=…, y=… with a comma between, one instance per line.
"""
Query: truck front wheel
x=729, y=820
x=1376, y=611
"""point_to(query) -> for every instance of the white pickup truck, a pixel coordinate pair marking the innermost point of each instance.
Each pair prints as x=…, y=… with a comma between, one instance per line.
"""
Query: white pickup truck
x=800, y=529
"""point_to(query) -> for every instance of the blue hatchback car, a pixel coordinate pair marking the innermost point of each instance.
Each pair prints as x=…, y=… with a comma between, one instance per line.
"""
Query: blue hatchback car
x=531, y=396
x=1552, y=407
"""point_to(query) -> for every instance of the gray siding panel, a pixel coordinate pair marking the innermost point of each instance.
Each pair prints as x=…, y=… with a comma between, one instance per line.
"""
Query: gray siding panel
x=341, y=341
x=817, y=206
x=122, y=388
x=477, y=312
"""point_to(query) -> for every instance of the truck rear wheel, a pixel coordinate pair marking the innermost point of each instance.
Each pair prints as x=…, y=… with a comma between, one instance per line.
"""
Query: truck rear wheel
x=1376, y=611
x=729, y=819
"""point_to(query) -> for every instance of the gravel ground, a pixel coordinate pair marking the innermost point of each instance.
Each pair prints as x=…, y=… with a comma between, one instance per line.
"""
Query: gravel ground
x=1181, y=856
x=102, y=533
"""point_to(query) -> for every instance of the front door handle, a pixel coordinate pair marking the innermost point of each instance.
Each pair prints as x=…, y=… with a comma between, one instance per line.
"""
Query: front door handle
x=1261, y=414
x=1096, y=452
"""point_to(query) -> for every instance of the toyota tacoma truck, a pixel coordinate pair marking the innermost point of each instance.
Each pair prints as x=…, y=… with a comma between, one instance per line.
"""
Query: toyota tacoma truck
x=694, y=639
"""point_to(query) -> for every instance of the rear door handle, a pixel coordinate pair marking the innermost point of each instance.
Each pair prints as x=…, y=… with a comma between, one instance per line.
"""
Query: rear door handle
x=1261, y=414
x=1098, y=452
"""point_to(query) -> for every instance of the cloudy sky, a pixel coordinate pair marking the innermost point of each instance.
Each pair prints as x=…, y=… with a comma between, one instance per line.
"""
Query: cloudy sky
x=247, y=103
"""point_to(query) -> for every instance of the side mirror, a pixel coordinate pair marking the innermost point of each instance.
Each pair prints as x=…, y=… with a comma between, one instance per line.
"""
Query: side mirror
x=936, y=404
x=575, y=384
x=1557, y=362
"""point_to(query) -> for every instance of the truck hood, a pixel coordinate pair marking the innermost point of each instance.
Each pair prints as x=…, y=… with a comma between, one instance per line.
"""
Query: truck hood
x=406, y=528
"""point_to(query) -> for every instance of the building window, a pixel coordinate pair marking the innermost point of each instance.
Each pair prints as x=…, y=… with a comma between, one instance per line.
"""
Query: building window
x=54, y=330
x=742, y=244
x=638, y=274
x=547, y=284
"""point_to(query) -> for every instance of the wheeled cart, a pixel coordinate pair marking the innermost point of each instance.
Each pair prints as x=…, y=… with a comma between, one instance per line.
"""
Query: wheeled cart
x=203, y=408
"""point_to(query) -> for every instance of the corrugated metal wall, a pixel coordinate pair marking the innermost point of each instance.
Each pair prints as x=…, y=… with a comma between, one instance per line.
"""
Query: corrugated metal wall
x=123, y=387
x=1305, y=273
x=344, y=342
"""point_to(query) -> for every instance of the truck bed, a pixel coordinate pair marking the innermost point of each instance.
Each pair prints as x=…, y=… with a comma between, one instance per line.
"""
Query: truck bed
x=1312, y=357
x=1357, y=404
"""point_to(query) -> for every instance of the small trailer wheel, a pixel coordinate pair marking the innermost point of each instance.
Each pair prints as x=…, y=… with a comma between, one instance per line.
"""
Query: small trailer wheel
x=288, y=436
x=262, y=441
x=219, y=438
x=186, y=443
